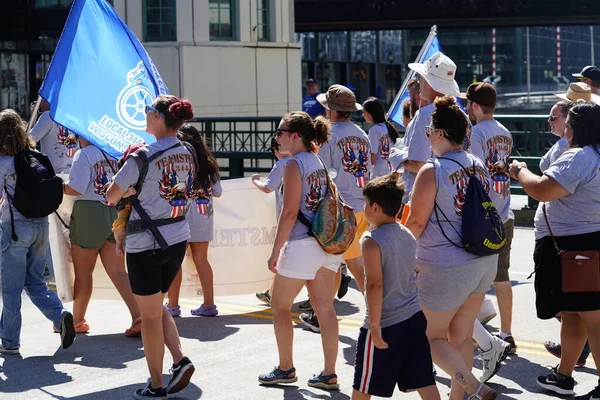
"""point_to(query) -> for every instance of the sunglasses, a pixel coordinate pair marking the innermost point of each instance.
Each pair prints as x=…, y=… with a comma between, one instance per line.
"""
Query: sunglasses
x=149, y=109
x=552, y=118
x=429, y=129
x=280, y=132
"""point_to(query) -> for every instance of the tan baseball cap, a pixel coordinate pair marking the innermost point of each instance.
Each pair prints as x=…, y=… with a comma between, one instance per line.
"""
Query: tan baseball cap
x=339, y=98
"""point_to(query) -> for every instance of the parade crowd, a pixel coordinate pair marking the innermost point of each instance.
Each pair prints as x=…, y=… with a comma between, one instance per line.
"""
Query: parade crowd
x=407, y=201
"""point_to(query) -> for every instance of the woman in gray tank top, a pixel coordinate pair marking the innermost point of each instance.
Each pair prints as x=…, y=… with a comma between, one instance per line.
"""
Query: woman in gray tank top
x=451, y=282
x=297, y=258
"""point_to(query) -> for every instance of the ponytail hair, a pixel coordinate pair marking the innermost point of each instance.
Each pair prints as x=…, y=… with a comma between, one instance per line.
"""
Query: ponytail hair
x=175, y=111
x=208, y=170
x=312, y=132
x=374, y=106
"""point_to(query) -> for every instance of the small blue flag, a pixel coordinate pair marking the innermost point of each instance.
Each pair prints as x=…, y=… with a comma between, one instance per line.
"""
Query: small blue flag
x=101, y=79
x=395, y=114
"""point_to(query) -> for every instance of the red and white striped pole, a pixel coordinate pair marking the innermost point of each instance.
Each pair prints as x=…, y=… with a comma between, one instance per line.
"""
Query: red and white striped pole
x=558, y=60
x=494, y=52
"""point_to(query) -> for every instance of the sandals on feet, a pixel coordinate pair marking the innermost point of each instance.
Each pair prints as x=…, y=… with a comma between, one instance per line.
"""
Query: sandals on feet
x=175, y=311
x=208, y=311
x=483, y=392
x=136, y=328
x=81, y=327
x=277, y=377
x=321, y=381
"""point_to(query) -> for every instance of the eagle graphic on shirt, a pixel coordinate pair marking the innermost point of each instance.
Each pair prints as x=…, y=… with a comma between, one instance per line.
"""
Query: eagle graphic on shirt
x=67, y=139
x=101, y=181
x=384, y=152
x=172, y=189
x=202, y=197
x=315, y=194
x=497, y=163
x=463, y=183
x=353, y=163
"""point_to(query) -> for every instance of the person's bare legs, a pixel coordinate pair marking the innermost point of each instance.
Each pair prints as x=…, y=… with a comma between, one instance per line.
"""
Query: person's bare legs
x=175, y=289
x=171, y=336
x=321, y=295
x=115, y=268
x=153, y=337
x=84, y=262
x=356, y=395
x=447, y=347
x=205, y=272
x=573, y=335
x=429, y=393
x=504, y=295
x=591, y=320
x=356, y=266
x=284, y=292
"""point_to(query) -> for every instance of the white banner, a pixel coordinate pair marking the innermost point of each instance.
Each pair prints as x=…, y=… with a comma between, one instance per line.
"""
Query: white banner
x=244, y=232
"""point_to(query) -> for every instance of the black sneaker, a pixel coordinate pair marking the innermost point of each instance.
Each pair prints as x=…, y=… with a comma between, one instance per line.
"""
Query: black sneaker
x=311, y=321
x=150, y=393
x=181, y=374
x=556, y=350
x=305, y=306
x=593, y=395
x=557, y=383
x=343, y=289
x=67, y=330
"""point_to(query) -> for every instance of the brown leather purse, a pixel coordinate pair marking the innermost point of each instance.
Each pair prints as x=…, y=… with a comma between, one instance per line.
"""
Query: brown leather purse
x=580, y=269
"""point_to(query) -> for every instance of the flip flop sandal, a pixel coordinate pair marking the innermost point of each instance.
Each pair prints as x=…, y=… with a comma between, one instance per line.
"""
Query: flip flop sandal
x=321, y=381
x=484, y=392
x=208, y=311
x=277, y=377
x=136, y=328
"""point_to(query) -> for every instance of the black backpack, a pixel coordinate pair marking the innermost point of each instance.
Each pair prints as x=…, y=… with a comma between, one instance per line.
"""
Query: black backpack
x=482, y=228
x=38, y=191
x=145, y=222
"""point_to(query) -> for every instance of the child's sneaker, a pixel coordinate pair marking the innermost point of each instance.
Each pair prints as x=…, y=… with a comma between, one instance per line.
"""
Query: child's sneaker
x=181, y=374
x=265, y=296
x=311, y=321
x=150, y=393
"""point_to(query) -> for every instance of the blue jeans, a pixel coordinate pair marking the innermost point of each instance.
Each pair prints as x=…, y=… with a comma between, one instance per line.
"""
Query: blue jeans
x=22, y=267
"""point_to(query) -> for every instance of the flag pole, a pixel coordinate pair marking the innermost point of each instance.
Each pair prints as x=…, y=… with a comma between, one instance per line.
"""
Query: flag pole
x=432, y=35
x=34, y=113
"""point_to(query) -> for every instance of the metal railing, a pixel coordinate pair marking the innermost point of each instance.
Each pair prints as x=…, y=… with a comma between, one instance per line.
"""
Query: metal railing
x=241, y=144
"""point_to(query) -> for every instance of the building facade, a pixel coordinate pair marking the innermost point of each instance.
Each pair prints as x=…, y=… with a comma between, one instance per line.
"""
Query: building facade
x=374, y=63
x=227, y=57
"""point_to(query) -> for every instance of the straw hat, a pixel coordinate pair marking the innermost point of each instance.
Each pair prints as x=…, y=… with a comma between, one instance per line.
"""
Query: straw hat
x=579, y=91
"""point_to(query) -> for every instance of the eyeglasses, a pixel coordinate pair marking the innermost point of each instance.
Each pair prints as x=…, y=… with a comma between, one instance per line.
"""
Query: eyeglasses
x=149, y=109
x=280, y=132
x=429, y=129
x=582, y=79
x=552, y=118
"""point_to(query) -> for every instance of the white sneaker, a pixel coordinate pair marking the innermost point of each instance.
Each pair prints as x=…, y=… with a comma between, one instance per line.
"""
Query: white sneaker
x=492, y=359
x=487, y=312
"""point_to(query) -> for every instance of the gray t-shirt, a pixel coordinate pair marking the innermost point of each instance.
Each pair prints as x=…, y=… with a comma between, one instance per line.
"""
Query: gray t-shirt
x=577, y=170
x=348, y=153
x=554, y=153
x=274, y=181
x=433, y=249
x=400, y=301
x=314, y=188
x=91, y=174
x=380, y=146
x=8, y=180
x=419, y=148
x=492, y=143
x=58, y=143
x=166, y=193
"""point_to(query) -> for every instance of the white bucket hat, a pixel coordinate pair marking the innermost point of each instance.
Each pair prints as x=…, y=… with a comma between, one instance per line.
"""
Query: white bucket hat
x=439, y=72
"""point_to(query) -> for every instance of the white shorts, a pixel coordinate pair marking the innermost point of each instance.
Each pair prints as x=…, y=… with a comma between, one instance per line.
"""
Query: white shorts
x=301, y=259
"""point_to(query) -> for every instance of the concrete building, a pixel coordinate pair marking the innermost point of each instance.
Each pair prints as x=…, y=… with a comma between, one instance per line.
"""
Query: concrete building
x=228, y=57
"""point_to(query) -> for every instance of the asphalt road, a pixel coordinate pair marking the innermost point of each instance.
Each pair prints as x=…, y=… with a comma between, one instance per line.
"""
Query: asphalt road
x=229, y=351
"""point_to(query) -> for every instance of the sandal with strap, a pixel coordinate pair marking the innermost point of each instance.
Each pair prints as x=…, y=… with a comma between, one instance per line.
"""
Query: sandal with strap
x=277, y=377
x=208, y=311
x=81, y=327
x=321, y=381
x=136, y=328
x=483, y=392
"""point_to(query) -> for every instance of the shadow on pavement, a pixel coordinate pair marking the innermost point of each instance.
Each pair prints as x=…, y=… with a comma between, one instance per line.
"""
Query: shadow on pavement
x=349, y=352
x=18, y=369
x=292, y=392
x=126, y=392
x=214, y=329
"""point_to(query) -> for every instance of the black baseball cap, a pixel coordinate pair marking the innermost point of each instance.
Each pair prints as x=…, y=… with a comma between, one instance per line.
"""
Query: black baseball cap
x=481, y=93
x=310, y=81
x=590, y=72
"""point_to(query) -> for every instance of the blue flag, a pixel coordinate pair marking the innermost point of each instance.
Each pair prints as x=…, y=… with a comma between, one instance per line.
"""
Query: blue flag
x=395, y=114
x=101, y=79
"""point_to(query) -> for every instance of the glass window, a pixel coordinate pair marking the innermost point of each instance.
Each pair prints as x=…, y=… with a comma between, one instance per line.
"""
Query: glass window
x=160, y=21
x=333, y=46
x=363, y=46
x=221, y=19
x=308, y=41
x=390, y=47
x=263, y=22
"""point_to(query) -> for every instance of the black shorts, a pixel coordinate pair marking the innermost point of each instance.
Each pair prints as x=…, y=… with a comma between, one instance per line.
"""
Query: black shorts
x=406, y=362
x=549, y=298
x=153, y=271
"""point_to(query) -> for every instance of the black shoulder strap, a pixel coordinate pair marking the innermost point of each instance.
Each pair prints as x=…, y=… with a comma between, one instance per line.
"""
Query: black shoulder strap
x=108, y=161
x=436, y=207
x=454, y=161
x=143, y=161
